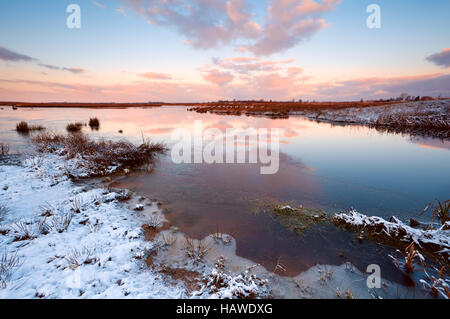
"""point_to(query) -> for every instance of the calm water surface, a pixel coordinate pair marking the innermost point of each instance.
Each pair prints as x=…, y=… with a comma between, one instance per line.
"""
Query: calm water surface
x=321, y=166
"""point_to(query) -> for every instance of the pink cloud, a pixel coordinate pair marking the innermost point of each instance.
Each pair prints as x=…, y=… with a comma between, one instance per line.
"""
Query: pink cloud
x=205, y=23
x=217, y=77
x=210, y=23
x=156, y=76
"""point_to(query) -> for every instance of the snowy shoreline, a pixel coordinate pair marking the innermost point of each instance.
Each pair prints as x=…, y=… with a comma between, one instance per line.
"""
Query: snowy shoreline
x=425, y=118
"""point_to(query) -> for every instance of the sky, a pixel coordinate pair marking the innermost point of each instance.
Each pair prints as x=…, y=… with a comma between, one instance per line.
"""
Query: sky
x=205, y=50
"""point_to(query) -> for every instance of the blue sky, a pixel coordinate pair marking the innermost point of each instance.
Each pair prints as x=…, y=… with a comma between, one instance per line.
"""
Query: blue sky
x=114, y=48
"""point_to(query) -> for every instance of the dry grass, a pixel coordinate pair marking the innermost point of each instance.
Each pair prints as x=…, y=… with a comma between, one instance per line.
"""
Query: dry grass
x=423, y=120
x=438, y=286
x=279, y=266
x=61, y=222
x=3, y=211
x=441, y=210
x=154, y=222
x=79, y=257
x=4, y=149
x=196, y=249
x=410, y=258
x=8, y=262
x=25, y=230
x=74, y=127
x=23, y=127
x=280, y=108
x=100, y=154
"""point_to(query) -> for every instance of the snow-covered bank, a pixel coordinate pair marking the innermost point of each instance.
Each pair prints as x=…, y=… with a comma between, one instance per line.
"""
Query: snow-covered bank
x=424, y=118
x=433, y=240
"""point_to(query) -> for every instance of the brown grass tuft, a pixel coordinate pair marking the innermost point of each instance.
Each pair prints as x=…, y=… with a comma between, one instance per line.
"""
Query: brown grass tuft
x=74, y=127
x=94, y=123
x=23, y=127
x=99, y=154
x=441, y=210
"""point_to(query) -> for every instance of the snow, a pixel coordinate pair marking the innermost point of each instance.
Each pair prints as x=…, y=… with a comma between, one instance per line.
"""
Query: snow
x=99, y=255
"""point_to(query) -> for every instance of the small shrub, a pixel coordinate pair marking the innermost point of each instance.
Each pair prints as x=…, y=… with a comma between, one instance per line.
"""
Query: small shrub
x=94, y=123
x=74, y=127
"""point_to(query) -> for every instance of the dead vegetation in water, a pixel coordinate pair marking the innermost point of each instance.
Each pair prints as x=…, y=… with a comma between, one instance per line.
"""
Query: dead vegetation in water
x=74, y=127
x=296, y=218
x=190, y=278
x=99, y=156
x=24, y=128
x=441, y=212
x=196, y=249
x=153, y=227
x=4, y=149
x=437, y=286
x=410, y=259
x=94, y=123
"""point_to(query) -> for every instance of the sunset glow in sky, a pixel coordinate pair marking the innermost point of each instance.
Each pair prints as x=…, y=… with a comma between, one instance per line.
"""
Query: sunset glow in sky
x=202, y=50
